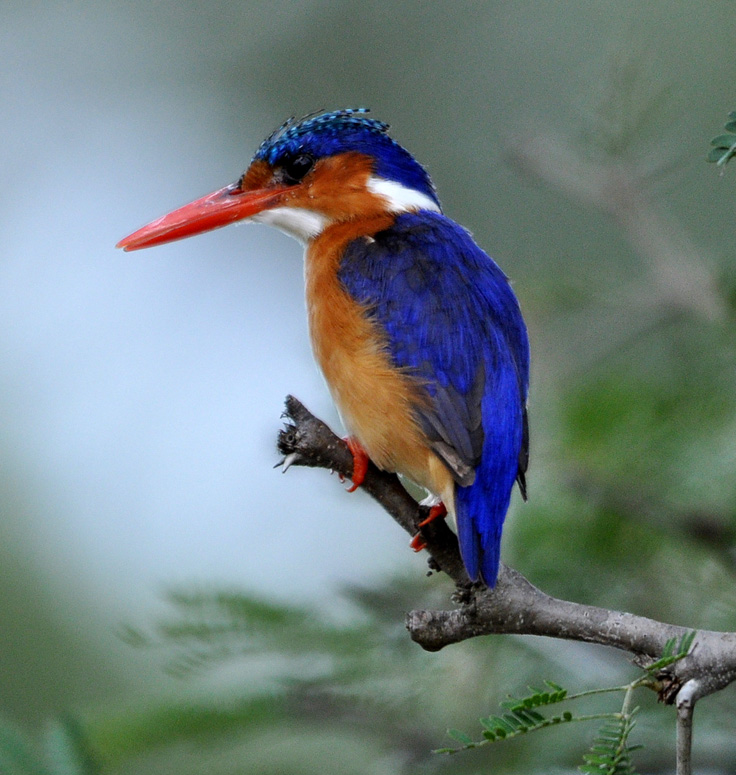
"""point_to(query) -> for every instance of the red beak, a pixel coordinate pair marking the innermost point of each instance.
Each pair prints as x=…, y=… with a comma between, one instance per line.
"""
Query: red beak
x=218, y=209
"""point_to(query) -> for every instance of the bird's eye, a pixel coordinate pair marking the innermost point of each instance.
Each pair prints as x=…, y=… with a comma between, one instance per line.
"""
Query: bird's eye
x=296, y=167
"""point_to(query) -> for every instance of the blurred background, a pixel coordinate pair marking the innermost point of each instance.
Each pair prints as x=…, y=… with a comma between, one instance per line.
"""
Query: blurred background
x=140, y=394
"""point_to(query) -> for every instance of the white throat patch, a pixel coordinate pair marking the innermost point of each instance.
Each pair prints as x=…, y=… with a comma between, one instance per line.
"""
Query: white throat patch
x=297, y=222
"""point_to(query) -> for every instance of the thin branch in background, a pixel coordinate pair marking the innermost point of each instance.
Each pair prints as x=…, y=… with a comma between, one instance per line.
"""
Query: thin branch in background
x=680, y=273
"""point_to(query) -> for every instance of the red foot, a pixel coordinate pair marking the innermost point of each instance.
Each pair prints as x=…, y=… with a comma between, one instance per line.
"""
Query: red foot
x=436, y=512
x=360, y=462
x=418, y=543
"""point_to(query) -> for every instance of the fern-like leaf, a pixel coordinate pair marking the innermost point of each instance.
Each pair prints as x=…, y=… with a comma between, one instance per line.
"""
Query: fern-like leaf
x=724, y=146
x=211, y=627
x=610, y=753
x=673, y=651
x=521, y=716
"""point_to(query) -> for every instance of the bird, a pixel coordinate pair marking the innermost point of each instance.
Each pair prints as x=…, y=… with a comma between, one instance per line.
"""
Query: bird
x=417, y=331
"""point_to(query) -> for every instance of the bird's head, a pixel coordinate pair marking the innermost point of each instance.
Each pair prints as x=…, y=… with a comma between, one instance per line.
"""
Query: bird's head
x=324, y=169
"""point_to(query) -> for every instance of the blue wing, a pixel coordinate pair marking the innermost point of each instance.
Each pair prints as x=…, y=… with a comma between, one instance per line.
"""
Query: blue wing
x=452, y=320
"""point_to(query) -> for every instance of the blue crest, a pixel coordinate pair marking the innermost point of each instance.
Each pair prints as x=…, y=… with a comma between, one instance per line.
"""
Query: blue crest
x=342, y=131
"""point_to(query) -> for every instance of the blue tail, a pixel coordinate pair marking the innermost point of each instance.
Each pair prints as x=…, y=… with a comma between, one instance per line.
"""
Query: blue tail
x=481, y=508
x=481, y=511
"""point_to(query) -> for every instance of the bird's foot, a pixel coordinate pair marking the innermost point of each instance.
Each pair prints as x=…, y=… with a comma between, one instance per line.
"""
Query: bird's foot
x=360, y=462
x=438, y=511
x=418, y=543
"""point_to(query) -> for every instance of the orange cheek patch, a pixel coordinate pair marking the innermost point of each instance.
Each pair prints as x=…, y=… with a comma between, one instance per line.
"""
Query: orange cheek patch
x=338, y=188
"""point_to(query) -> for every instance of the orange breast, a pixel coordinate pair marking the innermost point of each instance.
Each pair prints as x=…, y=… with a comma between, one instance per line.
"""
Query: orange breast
x=375, y=399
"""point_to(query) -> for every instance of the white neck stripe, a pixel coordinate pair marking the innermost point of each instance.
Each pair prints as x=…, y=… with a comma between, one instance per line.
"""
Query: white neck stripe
x=400, y=199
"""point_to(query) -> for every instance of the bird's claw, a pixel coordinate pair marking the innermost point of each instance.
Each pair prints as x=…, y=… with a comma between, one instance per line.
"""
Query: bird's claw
x=418, y=543
x=360, y=462
x=291, y=459
x=438, y=511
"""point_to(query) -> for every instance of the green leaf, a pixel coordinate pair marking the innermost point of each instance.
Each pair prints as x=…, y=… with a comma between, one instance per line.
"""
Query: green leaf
x=725, y=145
x=516, y=723
x=673, y=651
x=529, y=718
x=503, y=724
x=461, y=737
x=555, y=686
x=719, y=156
x=535, y=716
x=723, y=141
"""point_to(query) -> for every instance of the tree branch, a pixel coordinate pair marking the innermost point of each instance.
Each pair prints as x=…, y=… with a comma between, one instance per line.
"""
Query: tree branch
x=685, y=705
x=514, y=605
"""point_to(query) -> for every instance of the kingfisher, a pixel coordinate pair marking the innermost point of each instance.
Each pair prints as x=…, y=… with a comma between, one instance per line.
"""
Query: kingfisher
x=416, y=330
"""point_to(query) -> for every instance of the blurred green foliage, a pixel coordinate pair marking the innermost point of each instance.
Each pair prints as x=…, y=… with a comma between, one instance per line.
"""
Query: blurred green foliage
x=337, y=694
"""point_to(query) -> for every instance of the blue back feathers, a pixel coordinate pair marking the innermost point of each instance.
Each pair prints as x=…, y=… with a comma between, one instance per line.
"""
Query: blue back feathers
x=328, y=134
x=452, y=320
